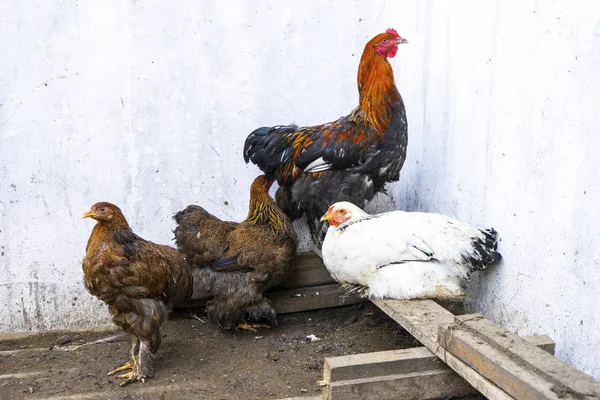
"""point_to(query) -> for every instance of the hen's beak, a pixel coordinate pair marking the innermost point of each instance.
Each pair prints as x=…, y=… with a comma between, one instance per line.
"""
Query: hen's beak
x=402, y=40
x=87, y=214
x=326, y=217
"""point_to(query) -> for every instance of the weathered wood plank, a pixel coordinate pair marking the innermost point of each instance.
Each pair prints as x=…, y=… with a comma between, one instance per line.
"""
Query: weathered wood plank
x=312, y=298
x=304, y=299
x=394, y=362
x=421, y=319
x=396, y=374
x=520, y=369
x=543, y=342
x=308, y=271
x=430, y=384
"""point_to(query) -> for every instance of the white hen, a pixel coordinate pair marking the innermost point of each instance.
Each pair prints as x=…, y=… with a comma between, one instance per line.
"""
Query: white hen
x=404, y=255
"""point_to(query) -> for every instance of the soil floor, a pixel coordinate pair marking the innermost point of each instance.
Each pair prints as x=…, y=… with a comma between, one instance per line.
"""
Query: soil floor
x=196, y=359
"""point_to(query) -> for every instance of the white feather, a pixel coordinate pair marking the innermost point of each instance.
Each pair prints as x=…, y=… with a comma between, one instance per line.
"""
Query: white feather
x=317, y=165
x=398, y=254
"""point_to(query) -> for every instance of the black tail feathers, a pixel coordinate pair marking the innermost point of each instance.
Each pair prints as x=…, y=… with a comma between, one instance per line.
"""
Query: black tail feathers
x=484, y=250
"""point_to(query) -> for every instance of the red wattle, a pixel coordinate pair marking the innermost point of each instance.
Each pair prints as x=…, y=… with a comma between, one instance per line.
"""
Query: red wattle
x=392, y=52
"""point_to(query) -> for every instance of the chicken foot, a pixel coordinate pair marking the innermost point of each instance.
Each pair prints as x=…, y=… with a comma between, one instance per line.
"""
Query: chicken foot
x=144, y=356
x=135, y=345
x=250, y=327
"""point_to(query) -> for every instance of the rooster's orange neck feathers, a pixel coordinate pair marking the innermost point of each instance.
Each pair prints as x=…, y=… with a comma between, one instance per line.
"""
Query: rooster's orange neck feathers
x=376, y=88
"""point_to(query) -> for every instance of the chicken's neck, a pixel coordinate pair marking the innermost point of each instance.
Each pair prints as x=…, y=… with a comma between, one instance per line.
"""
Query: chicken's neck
x=115, y=230
x=264, y=211
x=377, y=90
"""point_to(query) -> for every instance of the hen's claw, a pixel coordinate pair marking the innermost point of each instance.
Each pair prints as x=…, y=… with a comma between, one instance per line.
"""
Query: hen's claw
x=250, y=327
x=131, y=377
x=128, y=365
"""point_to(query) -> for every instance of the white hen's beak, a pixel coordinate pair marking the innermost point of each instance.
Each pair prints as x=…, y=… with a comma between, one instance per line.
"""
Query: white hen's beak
x=326, y=217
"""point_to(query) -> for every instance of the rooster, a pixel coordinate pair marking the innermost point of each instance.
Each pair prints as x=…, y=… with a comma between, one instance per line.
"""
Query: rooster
x=238, y=262
x=349, y=159
x=404, y=255
x=139, y=280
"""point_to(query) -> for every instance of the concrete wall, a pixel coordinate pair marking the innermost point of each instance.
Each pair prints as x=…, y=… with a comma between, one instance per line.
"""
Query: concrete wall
x=146, y=104
x=504, y=110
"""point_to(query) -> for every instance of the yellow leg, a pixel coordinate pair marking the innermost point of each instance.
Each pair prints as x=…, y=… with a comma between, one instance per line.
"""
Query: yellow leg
x=128, y=365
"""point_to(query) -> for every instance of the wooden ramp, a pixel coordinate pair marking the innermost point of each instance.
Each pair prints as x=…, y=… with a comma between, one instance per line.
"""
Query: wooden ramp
x=463, y=355
x=494, y=361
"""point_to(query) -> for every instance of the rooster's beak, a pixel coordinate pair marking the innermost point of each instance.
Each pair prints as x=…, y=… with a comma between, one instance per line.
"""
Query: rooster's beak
x=87, y=214
x=326, y=217
x=402, y=41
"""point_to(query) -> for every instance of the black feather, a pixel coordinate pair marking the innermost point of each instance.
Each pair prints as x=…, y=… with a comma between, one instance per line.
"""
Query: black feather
x=484, y=252
x=224, y=263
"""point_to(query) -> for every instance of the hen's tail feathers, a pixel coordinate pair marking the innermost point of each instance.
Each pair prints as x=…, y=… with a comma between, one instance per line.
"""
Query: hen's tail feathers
x=187, y=211
x=484, y=250
x=268, y=147
x=182, y=287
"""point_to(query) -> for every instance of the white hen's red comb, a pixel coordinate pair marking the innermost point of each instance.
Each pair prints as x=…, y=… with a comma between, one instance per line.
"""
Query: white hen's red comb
x=392, y=31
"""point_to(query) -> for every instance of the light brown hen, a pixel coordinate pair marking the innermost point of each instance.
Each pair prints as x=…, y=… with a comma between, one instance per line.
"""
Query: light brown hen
x=139, y=280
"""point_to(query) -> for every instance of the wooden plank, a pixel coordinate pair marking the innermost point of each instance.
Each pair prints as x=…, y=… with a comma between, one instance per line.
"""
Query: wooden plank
x=394, y=362
x=312, y=298
x=421, y=319
x=308, y=271
x=520, y=369
x=380, y=363
x=430, y=384
x=543, y=342
x=396, y=374
x=304, y=299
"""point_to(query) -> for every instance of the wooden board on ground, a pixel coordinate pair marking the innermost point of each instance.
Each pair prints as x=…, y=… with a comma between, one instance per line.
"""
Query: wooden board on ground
x=421, y=319
x=520, y=369
x=399, y=374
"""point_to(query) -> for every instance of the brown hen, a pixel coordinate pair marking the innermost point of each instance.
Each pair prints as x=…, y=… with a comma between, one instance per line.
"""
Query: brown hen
x=140, y=281
x=238, y=262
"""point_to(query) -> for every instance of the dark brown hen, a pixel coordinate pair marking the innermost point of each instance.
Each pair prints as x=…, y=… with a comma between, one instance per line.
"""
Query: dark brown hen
x=139, y=280
x=238, y=262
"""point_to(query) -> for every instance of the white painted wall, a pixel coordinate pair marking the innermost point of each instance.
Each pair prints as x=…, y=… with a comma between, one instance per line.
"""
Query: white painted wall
x=146, y=104
x=504, y=109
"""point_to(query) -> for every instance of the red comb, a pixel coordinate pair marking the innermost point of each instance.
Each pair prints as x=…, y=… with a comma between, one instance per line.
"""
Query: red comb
x=393, y=32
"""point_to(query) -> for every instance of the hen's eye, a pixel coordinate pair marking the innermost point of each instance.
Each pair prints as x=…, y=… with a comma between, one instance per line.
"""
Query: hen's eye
x=385, y=40
x=102, y=210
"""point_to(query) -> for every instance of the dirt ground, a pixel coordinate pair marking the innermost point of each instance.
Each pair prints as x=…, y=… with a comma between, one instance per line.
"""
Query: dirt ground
x=198, y=360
